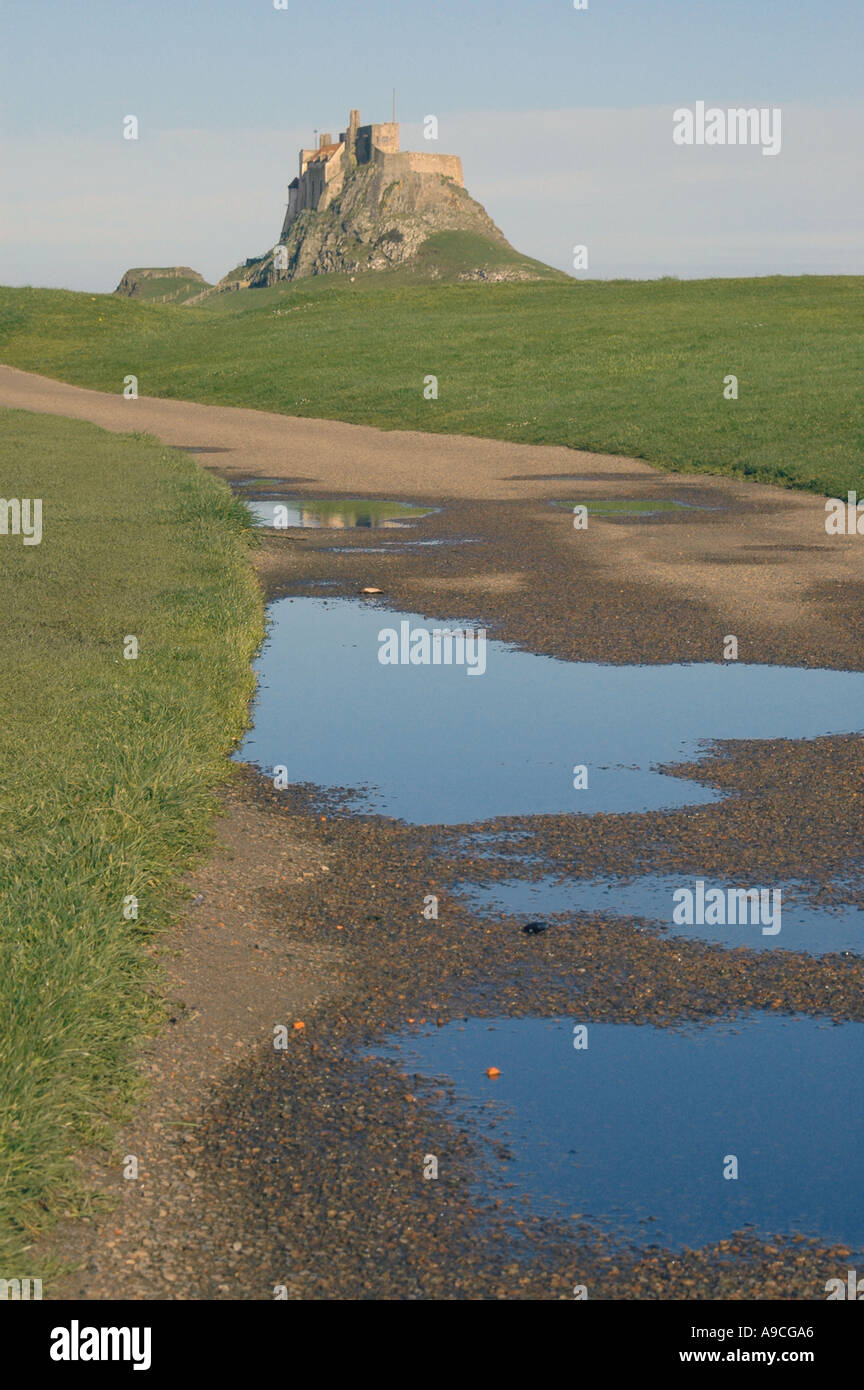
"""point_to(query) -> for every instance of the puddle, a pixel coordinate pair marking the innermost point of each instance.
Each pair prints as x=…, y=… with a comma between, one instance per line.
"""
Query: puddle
x=272, y=485
x=803, y=927
x=633, y=1131
x=200, y=449
x=442, y=540
x=624, y=506
x=397, y=548
x=283, y=513
x=436, y=745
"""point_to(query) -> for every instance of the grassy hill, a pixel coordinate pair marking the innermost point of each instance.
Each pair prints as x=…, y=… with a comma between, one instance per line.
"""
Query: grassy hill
x=453, y=256
x=622, y=367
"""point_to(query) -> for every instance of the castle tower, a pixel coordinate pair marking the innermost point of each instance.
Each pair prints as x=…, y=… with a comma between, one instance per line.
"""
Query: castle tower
x=351, y=136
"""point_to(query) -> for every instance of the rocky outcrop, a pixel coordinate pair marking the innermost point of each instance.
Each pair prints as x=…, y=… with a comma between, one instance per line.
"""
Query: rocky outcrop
x=162, y=284
x=386, y=214
x=377, y=222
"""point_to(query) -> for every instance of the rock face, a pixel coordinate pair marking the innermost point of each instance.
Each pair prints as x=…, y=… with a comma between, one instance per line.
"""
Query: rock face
x=378, y=221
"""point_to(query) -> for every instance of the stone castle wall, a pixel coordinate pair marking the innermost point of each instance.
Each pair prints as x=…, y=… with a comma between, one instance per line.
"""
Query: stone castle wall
x=449, y=166
x=377, y=137
x=319, y=181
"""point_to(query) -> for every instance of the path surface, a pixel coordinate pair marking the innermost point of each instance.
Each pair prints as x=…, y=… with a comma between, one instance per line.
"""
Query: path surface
x=255, y=1165
x=763, y=561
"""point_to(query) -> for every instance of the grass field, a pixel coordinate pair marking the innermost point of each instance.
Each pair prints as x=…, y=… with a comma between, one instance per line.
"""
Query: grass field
x=109, y=769
x=622, y=367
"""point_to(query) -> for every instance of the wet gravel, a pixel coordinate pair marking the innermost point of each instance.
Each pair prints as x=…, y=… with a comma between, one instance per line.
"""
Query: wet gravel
x=305, y=1170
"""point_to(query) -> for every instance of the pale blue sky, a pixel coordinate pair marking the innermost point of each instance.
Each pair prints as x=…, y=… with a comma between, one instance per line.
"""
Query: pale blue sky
x=562, y=117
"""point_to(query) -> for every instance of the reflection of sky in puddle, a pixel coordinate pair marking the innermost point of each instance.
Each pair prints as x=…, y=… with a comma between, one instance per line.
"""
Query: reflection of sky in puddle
x=634, y=1130
x=802, y=927
x=437, y=745
x=284, y=512
x=396, y=549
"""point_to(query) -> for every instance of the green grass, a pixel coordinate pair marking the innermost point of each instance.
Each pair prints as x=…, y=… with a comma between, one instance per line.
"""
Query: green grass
x=109, y=770
x=621, y=367
x=447, y=254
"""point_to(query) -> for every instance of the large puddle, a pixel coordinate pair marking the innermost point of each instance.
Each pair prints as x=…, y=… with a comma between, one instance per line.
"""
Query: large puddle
x=797, y=926
x=340, y=514
x=636, y=1129
x=445, y=744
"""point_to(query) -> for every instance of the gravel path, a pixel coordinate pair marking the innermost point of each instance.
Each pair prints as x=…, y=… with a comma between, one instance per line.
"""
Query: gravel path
x=302, y=1169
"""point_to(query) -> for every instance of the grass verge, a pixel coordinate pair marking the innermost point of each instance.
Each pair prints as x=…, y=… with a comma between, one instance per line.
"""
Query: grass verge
x=109, y=771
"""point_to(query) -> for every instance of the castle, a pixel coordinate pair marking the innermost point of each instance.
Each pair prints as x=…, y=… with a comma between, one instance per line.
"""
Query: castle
x=322, y=171
x=360, y=204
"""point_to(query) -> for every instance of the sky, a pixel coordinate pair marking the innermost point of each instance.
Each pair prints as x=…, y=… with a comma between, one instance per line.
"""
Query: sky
x=563, y=119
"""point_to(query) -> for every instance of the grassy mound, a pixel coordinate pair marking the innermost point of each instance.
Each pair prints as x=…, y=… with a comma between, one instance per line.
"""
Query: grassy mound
x=451, y=256
x=169, y=285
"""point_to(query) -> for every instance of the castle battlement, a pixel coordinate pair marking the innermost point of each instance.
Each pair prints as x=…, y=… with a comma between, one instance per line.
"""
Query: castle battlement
x=322, y=171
